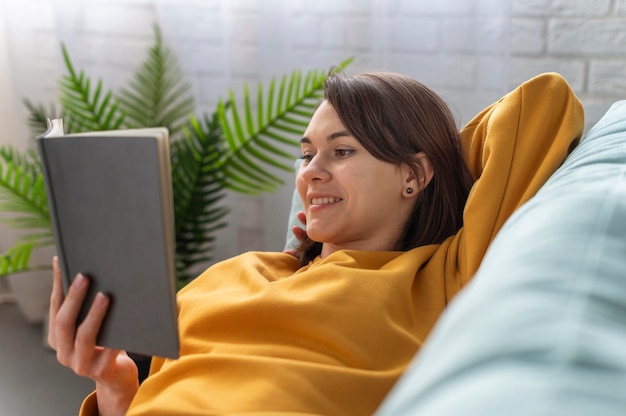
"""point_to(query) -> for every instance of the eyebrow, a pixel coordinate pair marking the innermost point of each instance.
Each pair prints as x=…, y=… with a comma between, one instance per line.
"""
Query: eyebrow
x=330, y=138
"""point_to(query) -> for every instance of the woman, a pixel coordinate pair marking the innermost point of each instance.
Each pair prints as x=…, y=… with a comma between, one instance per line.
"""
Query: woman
x=399, y=121
x=385, y=185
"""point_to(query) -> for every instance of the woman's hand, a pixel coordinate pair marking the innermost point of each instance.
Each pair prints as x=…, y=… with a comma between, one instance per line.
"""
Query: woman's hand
x=298, y=232
x=114, y=372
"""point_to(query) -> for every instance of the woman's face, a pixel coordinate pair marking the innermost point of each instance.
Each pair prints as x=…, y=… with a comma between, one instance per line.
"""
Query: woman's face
x=351, y=199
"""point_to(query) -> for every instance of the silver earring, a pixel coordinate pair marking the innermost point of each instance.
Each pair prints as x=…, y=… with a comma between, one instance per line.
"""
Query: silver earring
x=409, y=190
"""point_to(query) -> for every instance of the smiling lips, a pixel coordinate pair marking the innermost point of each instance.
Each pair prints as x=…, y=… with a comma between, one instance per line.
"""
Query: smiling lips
x=325, y=200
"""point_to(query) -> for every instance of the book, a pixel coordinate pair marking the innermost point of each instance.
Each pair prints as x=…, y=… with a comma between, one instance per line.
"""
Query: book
x=111, y=207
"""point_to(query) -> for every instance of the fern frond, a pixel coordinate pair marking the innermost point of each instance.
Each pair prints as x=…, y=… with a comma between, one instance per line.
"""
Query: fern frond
x=23, y=196
x=39, y=115
x=156, y=95
x=259, y=140
x=86, y=109
x=16, y=259
x=198, y=191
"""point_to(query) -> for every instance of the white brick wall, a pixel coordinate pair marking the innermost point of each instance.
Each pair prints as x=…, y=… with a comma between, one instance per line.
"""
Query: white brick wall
x=470, y=51
x=585, y=40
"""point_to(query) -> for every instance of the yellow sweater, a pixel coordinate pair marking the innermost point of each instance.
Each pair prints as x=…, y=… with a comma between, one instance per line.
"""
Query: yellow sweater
x=259, y=335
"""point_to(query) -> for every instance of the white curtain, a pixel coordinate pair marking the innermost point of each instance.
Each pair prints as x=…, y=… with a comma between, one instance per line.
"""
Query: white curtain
x=458, y=47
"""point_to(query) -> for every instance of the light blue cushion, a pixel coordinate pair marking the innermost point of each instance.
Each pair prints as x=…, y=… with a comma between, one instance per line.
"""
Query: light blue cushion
x=541, y=330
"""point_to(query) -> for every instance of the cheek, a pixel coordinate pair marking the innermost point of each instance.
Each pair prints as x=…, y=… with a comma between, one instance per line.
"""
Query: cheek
x=381, y=181
x=381, y=188
x=301, y=188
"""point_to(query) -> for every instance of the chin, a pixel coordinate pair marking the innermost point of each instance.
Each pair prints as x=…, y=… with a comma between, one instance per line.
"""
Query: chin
x=322, y=231
x=317, y=236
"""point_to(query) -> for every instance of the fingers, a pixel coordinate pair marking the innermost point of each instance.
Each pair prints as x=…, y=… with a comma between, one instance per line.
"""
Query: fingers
x=67, y=337
x=87, y=333
x=90, y=360
x=301, y=216
x=64, y=322
x=76, y=346
x=106, y=361
x=299, y=233
x=56, y=300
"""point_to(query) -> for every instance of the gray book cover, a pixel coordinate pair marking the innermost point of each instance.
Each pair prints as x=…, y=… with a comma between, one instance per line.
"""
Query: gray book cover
x=111, y=207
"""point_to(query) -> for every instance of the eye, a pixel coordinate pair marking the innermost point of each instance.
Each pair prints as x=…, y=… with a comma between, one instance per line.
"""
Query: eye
x=307, y=157
x=343, y=152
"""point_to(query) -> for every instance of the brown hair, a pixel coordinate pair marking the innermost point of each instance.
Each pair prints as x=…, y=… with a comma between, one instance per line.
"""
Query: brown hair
x=394, y=116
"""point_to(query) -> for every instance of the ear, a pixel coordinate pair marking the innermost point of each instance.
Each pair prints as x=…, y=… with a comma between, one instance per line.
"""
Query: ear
x=418, y=176
x=425, y=170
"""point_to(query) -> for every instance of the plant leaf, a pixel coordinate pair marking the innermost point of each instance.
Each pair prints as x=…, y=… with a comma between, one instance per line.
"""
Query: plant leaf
x=22, y=196
x=84, y=109
x=39, y=115
x=157, y=96
x=283, y=112
x=198, y=193
x=16, y=259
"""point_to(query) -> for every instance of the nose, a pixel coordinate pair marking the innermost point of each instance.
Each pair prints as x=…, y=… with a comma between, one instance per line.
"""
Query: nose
x=314, y=170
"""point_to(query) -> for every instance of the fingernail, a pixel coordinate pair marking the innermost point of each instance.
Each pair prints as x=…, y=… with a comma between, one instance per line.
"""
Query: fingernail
x=80, y=280
x=100, y=299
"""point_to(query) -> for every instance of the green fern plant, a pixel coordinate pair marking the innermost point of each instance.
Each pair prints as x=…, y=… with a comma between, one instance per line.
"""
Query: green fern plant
x=253, y=139
x=17, y=258
x=235, y=148
x=20, y=177
x=22, y=193
x=157, y=94
x=38, y=116
x=199, y=188
x=87, y=109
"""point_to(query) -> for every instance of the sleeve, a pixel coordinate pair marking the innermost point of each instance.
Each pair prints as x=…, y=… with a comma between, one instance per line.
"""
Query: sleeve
x=156, y=364
x=512, y=147
x=89, y=406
